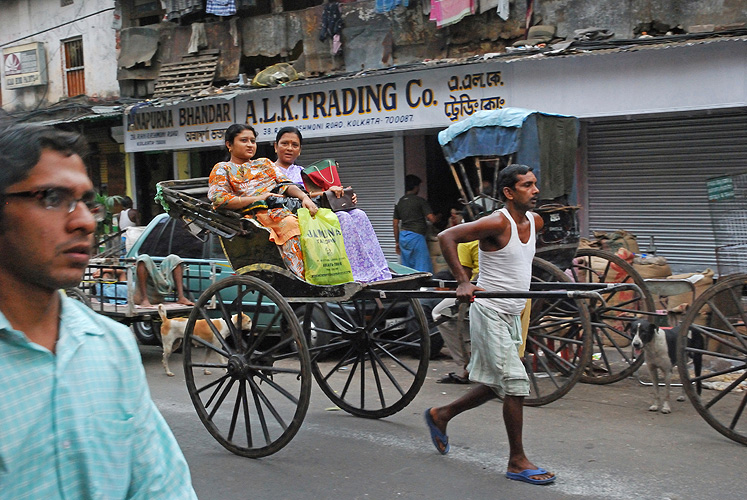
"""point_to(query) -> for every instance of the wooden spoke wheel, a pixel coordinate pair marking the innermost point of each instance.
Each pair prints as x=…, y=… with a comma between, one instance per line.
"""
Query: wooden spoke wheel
x=612, y=358
x=712, y=356
x=255, y=400
x=558, y=343
x=374, y=357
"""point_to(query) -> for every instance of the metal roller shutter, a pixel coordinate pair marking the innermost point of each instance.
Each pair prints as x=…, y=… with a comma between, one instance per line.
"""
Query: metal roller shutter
x=368, y=164
x=648, y=176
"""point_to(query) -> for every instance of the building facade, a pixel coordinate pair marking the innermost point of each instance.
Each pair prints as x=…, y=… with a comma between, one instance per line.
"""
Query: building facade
x=58, y=68
x=660, y=87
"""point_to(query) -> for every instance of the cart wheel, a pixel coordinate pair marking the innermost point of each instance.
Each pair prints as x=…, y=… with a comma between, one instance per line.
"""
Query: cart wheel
x=712, y=356
x=558, y=343
x=78, y=294
x=612, y=357
x=257, y=396
x=376, y=358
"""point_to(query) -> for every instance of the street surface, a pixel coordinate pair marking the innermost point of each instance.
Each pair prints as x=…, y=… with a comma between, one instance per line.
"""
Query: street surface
x=600, y=440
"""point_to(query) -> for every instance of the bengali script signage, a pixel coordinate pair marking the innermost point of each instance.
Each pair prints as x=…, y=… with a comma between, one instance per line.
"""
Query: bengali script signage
x=190, y=124
x=422, y=99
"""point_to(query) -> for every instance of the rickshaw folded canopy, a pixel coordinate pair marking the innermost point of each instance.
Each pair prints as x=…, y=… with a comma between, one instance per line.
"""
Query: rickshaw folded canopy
x=545, y=141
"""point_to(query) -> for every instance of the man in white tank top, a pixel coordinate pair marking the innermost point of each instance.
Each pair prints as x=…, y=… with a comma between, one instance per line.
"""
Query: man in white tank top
x=507, y=244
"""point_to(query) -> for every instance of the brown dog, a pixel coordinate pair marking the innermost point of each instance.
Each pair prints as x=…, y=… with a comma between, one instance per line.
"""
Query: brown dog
x=172, y=334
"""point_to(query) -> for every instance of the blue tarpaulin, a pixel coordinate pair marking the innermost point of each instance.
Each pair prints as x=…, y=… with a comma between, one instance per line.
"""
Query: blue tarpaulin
x=544, y=141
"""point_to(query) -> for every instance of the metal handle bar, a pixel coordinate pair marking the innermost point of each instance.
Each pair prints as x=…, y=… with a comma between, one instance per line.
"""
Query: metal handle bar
x=506, y=294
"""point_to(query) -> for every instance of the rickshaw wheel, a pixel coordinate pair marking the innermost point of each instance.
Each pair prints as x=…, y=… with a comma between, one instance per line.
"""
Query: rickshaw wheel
x=257, y=396
x=558, y=343
x=376, y=357
x=712, y=356
x=612, y=357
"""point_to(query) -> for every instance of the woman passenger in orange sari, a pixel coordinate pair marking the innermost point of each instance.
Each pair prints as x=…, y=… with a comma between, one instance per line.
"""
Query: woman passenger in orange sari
x=243, y=184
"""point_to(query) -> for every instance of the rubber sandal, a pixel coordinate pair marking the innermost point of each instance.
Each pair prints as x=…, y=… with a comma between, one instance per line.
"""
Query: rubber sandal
x=452, y=378
x=436, y=434
x=526, y=476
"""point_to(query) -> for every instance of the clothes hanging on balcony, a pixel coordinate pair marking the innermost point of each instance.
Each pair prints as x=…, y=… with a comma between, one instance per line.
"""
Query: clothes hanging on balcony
x=178, y=8
x=221, y=7
x=331, y=21
x=387, y=5
x=501, y=7
x=446, y=12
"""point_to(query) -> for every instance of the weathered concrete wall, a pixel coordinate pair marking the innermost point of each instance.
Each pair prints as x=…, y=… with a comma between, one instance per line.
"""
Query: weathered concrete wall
x=622, y=16
x=26, y=21
x=406, y=35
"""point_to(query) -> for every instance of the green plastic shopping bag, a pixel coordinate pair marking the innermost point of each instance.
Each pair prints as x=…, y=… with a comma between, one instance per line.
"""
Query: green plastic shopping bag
x=324, y=256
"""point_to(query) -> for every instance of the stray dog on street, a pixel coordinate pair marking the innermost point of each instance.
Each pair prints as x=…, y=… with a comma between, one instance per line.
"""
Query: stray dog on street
x=659, y=346
x=172, y=334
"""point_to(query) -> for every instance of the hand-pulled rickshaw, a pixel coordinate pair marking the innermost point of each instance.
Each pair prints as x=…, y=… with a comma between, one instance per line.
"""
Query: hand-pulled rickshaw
x=587, y=340
x=567, y=341
x=368, y=345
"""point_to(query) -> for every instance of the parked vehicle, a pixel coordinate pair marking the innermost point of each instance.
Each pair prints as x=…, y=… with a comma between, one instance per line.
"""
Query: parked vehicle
x=207, y=264
x=164, y=236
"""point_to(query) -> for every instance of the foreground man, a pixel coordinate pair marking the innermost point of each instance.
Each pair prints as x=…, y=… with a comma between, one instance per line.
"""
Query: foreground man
x=507, y=244
x=76, y=418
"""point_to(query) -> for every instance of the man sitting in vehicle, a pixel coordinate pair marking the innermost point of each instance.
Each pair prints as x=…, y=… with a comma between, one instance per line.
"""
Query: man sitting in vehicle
x=154, y=281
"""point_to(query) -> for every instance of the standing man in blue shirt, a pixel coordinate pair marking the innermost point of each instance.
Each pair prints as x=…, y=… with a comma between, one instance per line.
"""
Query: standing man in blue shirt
x=411, y=214
x=76, y=419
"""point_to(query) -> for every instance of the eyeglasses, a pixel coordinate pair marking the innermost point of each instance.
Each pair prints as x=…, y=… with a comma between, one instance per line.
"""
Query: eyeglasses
x=60, y=198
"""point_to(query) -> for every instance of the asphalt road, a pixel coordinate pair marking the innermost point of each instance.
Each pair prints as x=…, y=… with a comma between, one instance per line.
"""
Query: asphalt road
x=600, y=440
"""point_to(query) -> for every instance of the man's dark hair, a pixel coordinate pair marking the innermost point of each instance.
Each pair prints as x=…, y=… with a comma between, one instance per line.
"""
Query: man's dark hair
x=412, y=181
x=126, y=202
x=21, y=146
x=509, y=176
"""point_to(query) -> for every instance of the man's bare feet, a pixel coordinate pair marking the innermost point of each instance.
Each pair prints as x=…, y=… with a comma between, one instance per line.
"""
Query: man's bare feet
x=184, y=301
x=144, y=303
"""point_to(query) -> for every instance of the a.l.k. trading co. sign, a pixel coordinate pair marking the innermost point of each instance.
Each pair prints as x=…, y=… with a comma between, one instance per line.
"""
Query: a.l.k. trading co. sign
x=410, y=100
x=24, y=66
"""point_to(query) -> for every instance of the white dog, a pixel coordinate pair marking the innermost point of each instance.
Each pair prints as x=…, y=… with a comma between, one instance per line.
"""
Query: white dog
x=659, y=347
x=172, y=334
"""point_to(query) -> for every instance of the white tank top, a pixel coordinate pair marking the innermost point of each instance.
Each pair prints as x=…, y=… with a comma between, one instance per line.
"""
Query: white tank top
x=124, y=219
x=509, y=268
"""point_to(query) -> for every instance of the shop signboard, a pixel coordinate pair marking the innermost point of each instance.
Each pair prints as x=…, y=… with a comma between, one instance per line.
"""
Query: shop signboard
x=720, y=188
x=186, y=125
x=409, y=100
x=24, y=66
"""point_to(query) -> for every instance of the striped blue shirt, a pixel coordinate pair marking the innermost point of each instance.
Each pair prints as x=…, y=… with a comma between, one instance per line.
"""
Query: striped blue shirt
x=81, y=424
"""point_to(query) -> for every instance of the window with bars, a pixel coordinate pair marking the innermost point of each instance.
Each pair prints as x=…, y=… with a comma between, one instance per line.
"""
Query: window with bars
x=74, y=71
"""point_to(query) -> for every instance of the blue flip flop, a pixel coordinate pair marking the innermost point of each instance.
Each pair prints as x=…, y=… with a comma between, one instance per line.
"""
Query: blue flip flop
x=436, y=434
x=526, y=476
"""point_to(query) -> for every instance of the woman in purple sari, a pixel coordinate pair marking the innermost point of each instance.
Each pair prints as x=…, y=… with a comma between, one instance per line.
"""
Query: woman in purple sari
x=361, y=245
